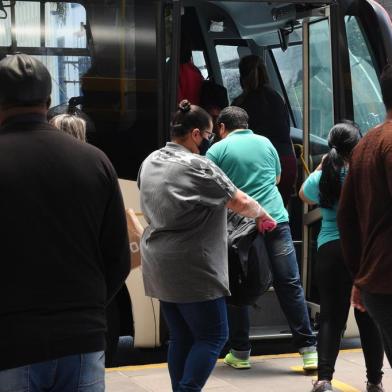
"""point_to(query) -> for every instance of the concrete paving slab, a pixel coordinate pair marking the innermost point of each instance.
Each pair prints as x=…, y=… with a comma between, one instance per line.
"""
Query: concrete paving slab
x=270, y=373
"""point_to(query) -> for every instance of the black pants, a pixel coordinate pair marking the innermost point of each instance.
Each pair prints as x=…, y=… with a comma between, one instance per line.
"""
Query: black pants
x=379, y=307
x=335, y=283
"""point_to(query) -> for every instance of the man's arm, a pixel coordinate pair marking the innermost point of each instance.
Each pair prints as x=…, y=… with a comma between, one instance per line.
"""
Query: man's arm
x=114, y=242
x=348, y=223
x=244, y=205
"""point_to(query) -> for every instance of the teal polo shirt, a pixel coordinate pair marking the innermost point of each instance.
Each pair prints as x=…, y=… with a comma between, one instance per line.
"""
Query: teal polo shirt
x=252, y=164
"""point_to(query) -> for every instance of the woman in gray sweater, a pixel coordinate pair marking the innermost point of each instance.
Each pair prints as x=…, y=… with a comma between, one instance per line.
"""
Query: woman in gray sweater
x=184, y=197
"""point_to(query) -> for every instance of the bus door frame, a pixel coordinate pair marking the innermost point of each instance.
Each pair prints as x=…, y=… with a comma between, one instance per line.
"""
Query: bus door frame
x=174, y=58
x=342, y=109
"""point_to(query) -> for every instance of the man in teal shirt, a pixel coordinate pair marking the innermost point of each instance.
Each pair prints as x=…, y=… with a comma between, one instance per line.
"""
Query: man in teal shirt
x=252, y=164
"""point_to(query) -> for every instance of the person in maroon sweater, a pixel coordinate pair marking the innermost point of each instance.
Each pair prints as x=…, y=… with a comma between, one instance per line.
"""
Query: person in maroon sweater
x=365, y=220
x=190, y=79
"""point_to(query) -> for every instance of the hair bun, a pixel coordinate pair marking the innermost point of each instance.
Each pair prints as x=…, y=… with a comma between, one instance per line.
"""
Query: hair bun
x=184, y=106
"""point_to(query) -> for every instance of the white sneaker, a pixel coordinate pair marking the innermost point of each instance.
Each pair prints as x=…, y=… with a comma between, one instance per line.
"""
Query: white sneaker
x=322, y=386
x=374, y=387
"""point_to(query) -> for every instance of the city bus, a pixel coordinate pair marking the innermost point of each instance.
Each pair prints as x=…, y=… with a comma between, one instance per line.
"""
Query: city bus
x=116, y=62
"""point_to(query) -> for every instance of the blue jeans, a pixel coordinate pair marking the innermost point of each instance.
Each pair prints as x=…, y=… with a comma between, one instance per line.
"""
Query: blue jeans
x=74, y=373
x=198, y=331
x=288, y=288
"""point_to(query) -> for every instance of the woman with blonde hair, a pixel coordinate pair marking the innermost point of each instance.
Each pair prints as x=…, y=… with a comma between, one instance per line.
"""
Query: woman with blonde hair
x=71, y=124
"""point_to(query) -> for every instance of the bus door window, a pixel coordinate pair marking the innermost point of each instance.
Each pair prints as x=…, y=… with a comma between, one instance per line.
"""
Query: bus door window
x=369, y=109
x=290, y=66
x=321, y=119
x=229, y=57
x=320, y=75
x=200, y=62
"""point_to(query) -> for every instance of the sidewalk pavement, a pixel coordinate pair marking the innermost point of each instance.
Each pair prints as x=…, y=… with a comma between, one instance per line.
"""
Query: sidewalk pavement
x=269, y=373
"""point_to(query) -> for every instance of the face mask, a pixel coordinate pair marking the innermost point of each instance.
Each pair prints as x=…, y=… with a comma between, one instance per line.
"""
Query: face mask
x=204, y=146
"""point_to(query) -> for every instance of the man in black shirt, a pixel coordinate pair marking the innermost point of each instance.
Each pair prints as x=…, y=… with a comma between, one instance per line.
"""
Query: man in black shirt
x=64, y=250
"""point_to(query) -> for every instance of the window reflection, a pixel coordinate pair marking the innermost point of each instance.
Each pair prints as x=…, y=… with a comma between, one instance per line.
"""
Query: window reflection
x=290, y=68
x=27, y=23
x=229, y=58
x=368, y=106
x=320, y=78
x=65, y=25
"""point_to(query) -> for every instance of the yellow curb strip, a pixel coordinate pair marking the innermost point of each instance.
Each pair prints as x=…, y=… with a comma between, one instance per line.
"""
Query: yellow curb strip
x=135, y=368
x=341, y=386
x=258, y=357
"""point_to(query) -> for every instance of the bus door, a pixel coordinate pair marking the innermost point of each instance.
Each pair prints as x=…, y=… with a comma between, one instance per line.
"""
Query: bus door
x=318, y=118
x=343, y=54
x=275, y=32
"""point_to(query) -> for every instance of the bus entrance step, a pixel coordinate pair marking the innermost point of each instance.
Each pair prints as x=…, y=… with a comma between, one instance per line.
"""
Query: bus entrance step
x=270, y=332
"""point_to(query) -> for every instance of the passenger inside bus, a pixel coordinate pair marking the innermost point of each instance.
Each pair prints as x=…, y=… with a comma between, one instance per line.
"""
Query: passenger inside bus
x=269, y=117
x=190, y=78
x=334, y=281
x=213, y=99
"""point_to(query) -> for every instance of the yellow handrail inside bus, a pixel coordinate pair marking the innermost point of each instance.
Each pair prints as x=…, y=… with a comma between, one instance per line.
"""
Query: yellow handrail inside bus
x=301, y=148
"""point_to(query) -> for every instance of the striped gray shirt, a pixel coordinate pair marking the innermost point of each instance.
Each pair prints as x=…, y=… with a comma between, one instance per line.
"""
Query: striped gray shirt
x=184, y=248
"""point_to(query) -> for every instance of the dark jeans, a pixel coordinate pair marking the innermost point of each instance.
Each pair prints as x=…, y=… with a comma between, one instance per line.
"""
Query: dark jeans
x=335, y=283
x=379, y=307
x=198, y=331
x=288, y=288
x=74, y=373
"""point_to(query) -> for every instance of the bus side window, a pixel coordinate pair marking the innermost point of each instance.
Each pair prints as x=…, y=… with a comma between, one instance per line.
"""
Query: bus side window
x=64, y=27
x=367, y=100
x=229, y=57
x=200, y=62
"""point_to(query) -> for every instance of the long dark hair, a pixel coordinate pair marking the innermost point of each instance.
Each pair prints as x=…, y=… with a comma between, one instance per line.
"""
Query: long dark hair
x=342, y=139
x=189, y=117
x=253, y=75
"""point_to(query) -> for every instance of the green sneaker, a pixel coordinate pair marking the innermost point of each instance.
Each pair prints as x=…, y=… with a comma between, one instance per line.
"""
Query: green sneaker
x=236, y=363
x=310, y=360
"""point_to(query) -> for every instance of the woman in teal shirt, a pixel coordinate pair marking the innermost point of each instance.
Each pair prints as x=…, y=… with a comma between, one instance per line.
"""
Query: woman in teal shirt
x=323, y=187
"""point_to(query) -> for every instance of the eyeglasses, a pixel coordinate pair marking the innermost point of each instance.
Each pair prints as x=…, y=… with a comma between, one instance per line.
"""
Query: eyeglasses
x=211, y=135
